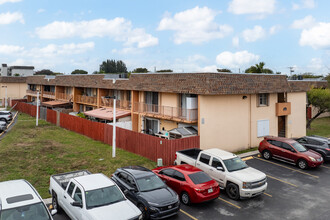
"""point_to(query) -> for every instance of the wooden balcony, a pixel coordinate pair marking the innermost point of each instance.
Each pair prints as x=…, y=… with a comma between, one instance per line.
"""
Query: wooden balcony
x=167, y=112
x=120, y=104
x=31, y=92
x=89, y=100
x=49, y=95
x=64, y=96
x=283, y=108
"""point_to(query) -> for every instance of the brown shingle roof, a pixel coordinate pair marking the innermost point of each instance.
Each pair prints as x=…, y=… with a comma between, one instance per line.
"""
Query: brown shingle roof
x=304, y=85
x=12, y=79
x=195, y=83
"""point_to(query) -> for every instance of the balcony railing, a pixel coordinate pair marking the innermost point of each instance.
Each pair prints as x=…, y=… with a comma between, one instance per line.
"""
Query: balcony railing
x=31, y=92
x=283, y=108
x=86, y=99
x=167, y=112
x=120, y=104
x=50, y=95
x=64, y=96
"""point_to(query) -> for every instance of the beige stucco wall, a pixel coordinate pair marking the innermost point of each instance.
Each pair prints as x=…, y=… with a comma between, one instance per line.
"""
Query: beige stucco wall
x=14, y=90
x=169, y=99
x=167, y=125
x=296, y=123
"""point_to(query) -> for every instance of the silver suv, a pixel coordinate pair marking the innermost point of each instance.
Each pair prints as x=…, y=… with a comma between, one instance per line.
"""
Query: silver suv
x=3, y=126
x=6, y=116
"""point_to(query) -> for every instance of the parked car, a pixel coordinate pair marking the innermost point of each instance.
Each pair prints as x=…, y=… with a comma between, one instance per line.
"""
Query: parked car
x=190, y=183
x=86, y=196
x=6, y=116
x=20, y=200
x=3, y=126
x=147, y=191
x=319, y=144
x=289, y=150
x=232, y=174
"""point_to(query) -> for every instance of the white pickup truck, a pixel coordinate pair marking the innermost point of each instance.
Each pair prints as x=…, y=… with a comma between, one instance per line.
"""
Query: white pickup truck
x=86, y=196
x=232, y=174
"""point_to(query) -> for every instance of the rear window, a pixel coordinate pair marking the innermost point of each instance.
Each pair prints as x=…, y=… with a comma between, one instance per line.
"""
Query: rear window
x=199, y=177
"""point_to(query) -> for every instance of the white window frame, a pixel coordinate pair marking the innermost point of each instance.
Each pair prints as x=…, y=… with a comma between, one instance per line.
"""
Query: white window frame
x=263, y=99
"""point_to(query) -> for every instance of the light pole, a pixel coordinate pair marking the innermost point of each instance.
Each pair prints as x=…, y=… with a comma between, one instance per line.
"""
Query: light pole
x=114, y=128
x=6, y=101
x=37, y=115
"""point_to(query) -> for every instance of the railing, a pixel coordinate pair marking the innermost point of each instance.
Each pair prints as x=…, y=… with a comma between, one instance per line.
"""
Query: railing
x=31, y=92
x=86, y=99
x=120, y=104
x=189, y=115
x=64, y=96
x=50, y=95
x=283, y=108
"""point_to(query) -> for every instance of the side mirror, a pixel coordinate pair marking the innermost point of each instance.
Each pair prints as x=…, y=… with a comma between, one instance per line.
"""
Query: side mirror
x=220, y=168
x=53, y=212
x=77, y=204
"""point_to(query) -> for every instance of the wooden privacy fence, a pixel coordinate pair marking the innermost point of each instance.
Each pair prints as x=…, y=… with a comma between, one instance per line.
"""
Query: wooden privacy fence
x=138, y=143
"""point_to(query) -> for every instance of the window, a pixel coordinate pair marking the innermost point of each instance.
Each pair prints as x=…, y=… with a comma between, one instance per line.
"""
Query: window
x=204, y=158
x=263, y=128
x=287, y=147
x=122, y=176
x=216, y=163
x=71, y=188
x=77, y=195
x=130, y=181
x=167, y=172
x=179, y=176
x=263, y=99
x=199, y=178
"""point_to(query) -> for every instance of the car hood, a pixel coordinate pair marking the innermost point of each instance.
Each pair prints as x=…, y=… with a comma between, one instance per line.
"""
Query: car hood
x=312, y=153
x=248, y=175
x=120, y=210
x=161, y=196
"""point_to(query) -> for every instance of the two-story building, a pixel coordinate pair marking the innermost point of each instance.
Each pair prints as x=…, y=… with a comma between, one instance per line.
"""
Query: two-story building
x=228, y=111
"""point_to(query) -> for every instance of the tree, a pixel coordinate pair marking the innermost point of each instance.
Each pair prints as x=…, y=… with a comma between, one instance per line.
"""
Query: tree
x=44, y=72
x=258, y=68
x=77, y=71
x=16, y=74
x=140, y=70
x=164, y=71
x=320, y=99
x=112, y=66
x=328, y=79
x=224, y=70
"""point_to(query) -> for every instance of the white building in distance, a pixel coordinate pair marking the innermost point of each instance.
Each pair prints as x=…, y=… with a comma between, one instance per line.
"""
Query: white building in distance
x=16, y=70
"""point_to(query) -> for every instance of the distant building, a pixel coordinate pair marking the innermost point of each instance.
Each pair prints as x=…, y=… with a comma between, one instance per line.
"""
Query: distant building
x=13, y=70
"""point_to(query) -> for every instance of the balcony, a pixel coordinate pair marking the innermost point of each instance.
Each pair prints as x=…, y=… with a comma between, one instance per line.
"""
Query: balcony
x=167, y=112
x=89, y=100
x=49, y=95
x=283, y=108
x=31, y=92
x=64, y=96
x=120, y=104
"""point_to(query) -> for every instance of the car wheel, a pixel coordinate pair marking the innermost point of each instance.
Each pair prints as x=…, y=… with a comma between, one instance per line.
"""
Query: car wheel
x=185, y=199
x=302, y=164
x=267, y=154
x=3, y=119
x=144, y=211
x=232, y=191
x=55, y=203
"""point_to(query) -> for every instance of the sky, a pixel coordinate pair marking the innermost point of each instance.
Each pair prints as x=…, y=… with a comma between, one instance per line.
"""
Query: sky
x=182, y=35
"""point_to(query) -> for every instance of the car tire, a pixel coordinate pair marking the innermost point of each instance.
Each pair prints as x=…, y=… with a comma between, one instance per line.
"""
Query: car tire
x=267, y=154
x=55, y=203
x=185, y=199
x=144, y=211
x=3, y=119
x=302, y=164
x=232, y=191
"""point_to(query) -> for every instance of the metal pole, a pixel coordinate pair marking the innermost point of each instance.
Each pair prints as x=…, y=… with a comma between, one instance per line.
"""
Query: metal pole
x=37, y=116
x=114, y=130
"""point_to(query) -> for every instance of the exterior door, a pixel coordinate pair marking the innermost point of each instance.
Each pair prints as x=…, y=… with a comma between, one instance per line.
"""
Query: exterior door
x=281, y=126
x=217, y=175
x=67, y=200
x=203, y=163
x=288, y=153
x=78, y=197
x=178, y=181
x=275, y=148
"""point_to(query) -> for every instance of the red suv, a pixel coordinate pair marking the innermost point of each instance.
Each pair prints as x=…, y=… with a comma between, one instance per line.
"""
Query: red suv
x=189, y=182
x=289, y=151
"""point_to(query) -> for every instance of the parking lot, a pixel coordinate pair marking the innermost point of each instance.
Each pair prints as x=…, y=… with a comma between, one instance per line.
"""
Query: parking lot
x=292, y=194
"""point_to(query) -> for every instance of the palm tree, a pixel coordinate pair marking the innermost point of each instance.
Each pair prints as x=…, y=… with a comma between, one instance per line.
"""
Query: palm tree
x=258, y=68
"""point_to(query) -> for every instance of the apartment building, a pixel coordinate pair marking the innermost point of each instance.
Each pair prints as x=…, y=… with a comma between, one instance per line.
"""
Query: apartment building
x=12, y=87
x=228, y=111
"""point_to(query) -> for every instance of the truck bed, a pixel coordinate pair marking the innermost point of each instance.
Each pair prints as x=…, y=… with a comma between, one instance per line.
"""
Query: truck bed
x=193, y=153
x=64, y=178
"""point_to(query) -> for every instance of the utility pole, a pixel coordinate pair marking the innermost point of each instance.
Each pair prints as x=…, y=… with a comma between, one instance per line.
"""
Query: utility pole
x=114, y=129
x=6, y=100
x=37, y=115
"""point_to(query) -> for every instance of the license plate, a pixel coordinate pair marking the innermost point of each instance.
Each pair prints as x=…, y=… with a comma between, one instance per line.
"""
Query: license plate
x=210, y=190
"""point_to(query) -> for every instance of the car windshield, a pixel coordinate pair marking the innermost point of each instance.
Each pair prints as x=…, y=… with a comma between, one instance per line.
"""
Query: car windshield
x=35, y=211
x=299, y=147
x=199, y=177
x=150, y=183
x=103, y=197
x=235, y=164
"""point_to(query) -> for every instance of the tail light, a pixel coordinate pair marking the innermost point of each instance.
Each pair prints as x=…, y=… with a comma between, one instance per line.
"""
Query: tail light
x=175, y=156
x=198, y=190
x=328, y=149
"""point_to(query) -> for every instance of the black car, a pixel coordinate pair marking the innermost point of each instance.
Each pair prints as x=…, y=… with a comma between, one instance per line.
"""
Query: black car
x=147, y=191
x=318, y=144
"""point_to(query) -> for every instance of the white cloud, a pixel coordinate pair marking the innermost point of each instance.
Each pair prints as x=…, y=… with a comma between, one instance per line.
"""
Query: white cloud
x=118, y=29
x=252, y=35
x=235, y=60
x=252, y=7
x=8, y=18
x=212, y=69
x=317, y=37
x=307, y=22
x=274, y=29
x=194, y=25
x=10, y=49
x=7, y=1
x=235, y=42
x=309, y=4
x=41, y=10
x=196, y=58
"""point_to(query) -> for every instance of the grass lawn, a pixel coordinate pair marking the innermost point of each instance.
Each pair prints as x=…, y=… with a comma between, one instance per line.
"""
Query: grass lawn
x=34, y=153
x=320, y=126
